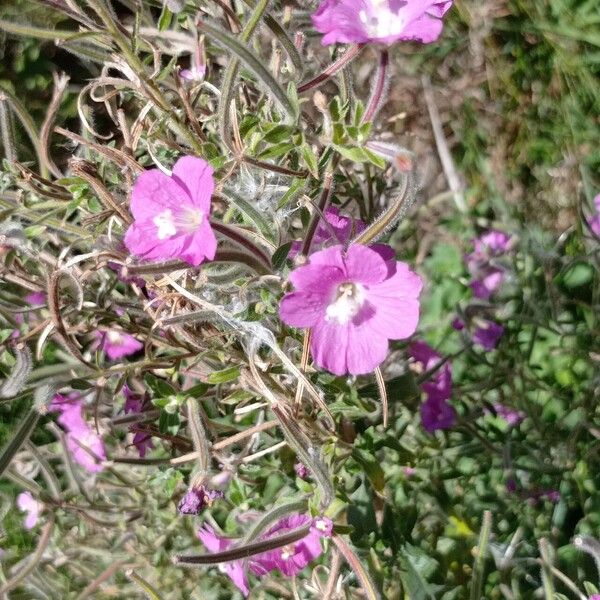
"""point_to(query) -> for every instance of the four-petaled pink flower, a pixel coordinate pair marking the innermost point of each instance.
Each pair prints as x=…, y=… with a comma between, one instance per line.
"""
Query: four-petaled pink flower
x=84, y=444
x=436, y=412
x=332, y=230
x=137, y=403
x=172, y=213
x=353, y=302
x=487, y=276
x=28, y=504
x=380, y=21
x=290, y=559
x=117, y=344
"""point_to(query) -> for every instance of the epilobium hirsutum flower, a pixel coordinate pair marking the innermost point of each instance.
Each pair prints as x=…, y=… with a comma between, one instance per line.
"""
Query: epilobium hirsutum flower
x=172, y=213
x=436, y=412
x=137, y=403
x=84, y=444
x=117, y=344
x=28, y=504
x=334, y=229
x=487, y=335
x=380, y=21
x=290, y=559
x=487, y=276
x=354, y=302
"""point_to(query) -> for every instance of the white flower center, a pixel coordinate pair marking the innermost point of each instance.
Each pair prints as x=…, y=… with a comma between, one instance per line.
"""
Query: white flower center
x=348, y=301
x=288, y=551
x=115, y=338
x=380, y=21
x=321, y=525
x=168, y=224
x=165, y=224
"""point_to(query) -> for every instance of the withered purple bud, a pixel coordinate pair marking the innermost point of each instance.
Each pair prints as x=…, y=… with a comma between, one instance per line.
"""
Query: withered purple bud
x=197, y=499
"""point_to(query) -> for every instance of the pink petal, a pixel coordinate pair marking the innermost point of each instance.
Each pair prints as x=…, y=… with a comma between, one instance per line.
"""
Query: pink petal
x=153, y=192
x=330, y=257
x=200, y=246
x=141, y=239
x=196, y=176
x=328, y=346
x=427, y=29
x=301, y=309
x=365, y=265
x=396, y=303
x=316, y=277
x=366, y=349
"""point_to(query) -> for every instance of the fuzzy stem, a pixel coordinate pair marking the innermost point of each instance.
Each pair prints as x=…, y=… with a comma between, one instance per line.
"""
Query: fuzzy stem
x=376, y=99
x=8, y=142
x=314, y=222
x=332, y=69
x=397, y=209
x=240, y=239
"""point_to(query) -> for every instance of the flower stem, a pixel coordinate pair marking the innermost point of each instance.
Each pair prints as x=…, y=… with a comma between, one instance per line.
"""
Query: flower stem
x=314, y=222
x=332, y=69
x=375, y=101
x=397, y=209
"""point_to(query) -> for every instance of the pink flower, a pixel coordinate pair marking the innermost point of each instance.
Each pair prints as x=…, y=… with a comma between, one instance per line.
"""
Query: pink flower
x=117, y=344
x=172, y=213
x=36, y=298
x=510, y=415
x=594, y=222
x=487, y=335
x=334, y=229
x=28, y=504
x=137, y=403
x=196, y=73
x=487, y=277
x=436, y=412
x=380, y=21
x=301, y=470
x=290, y=559
x=353, y=302
x=84, y=444
x=235, y=569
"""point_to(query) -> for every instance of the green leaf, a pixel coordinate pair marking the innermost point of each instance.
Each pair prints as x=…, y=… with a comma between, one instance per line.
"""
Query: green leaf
x=280, y=255
x=353, y=153
x=164, y=21
x=371, y=466
x=310, y=159
x=228, y=374
x=417, y=567
x=159, y=387
x=169, y=422
x=198, y=390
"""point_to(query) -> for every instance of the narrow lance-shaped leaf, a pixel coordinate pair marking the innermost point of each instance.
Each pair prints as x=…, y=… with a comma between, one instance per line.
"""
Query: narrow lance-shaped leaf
x=251, y=63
